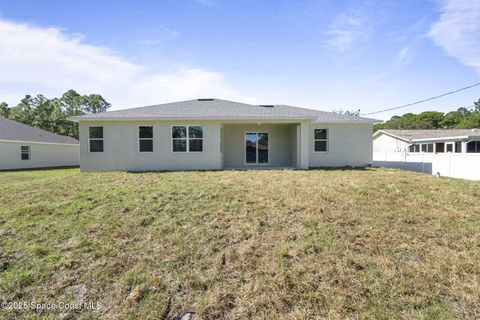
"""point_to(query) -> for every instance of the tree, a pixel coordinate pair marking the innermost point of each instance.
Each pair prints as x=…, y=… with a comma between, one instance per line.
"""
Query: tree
x=95, y=103
x=52, y=114
x=454, y=118
x=23, y=112
x=4, y=110
x=430, y=120
x=462, y=118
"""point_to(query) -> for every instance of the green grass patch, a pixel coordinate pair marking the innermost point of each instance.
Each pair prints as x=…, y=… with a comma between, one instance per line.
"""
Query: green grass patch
x=276, y=244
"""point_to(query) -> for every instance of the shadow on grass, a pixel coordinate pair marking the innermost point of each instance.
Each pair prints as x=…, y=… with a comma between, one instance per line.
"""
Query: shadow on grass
x=346, y=168
x=39, y=169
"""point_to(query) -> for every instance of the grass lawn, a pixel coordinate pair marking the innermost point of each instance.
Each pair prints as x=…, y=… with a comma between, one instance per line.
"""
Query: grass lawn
x=336, y=244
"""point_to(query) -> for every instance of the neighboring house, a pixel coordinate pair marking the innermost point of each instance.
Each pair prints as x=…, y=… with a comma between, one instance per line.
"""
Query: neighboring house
x=211, y=134
x=23, y=146
x=428, y=141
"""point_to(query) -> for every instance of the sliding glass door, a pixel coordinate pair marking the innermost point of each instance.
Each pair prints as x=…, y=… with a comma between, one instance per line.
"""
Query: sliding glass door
x=256, y=148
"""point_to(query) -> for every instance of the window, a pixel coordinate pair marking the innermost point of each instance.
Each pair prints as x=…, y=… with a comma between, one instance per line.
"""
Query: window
x=25, y=152
x=95, y=139
x=187, y=139
x=256, y=148
x=419, y=147
x=449, y=147
x=458, y=147
x=440, y=147
x=473, y=147
x=320, y=140
x=426, y=147
x=145, y=139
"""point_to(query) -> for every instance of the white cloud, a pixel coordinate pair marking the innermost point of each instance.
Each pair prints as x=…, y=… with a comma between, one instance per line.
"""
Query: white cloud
x=347, y=30
x=458, y=31
x=404, y=56
x=49, y=61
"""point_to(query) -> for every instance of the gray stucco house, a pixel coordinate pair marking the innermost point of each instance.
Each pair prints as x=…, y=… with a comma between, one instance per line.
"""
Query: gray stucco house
x=210, y=134
x=23, y=146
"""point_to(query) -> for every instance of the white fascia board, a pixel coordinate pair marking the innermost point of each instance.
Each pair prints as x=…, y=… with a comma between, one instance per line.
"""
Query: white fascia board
x=40, y=142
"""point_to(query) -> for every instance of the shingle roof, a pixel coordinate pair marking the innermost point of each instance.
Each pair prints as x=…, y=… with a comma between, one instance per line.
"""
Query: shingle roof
x=432, y=134
x=15, y=131
x=221, y=110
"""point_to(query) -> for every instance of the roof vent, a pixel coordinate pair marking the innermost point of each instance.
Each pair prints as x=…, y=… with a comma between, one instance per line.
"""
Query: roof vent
x=266, y=106
x=475, y=130
x=206, y=99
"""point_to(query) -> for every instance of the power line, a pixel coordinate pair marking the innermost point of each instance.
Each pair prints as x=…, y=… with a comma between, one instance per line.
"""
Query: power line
x=425, y=100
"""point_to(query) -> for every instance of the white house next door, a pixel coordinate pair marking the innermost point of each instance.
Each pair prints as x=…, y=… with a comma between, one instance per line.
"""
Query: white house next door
x=256, y=148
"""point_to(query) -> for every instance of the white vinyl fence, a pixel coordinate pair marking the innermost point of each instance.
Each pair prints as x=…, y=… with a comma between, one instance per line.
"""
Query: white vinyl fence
x=455, y=165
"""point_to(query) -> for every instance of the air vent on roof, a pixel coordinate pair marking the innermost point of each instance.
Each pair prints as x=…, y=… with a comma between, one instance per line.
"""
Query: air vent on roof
x=206, y=99
x=266, y=106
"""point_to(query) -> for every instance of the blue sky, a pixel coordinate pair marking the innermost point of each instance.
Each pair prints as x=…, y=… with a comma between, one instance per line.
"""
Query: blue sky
x=321, y=54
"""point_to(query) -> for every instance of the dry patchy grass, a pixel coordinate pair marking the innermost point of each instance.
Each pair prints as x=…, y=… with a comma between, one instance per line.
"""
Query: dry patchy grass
x=333, y=244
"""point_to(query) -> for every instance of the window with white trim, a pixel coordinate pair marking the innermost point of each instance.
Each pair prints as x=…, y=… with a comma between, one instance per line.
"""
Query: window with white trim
x=145, y=139
x=95, y=139
x=25, y=152
x=187, y=138
x=473, y=147
x=320, y=140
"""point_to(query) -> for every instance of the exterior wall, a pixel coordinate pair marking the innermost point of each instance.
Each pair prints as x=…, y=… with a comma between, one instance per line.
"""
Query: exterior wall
x=41, y=155
x=280, y=146
x=348, y=145
x=121, y=148
x=385, y=142
x=290, y=145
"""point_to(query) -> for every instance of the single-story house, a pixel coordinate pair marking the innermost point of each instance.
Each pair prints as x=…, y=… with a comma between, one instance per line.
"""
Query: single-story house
x=429, y=141
x=24, y=147
x=212, y=134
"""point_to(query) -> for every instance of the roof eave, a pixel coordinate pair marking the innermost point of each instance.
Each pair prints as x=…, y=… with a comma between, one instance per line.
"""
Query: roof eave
x=390, y=135
x=345, y=121
x=442, y=138
x=40, y=142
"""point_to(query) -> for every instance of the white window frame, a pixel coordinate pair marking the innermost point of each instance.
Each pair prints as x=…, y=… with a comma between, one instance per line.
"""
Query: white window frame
x=256, y=147
x=96, y=139
x=453, y=147
x=187, y=138
x=27, y=153
x=139, y=139
x=326, y=140
x=466, y=146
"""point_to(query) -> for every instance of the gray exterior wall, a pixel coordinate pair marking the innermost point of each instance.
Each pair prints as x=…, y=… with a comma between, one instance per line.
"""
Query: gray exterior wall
x=290, y=144
x=41, y=155
x=279, y=144
x=348, y=145
x=121, y=148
